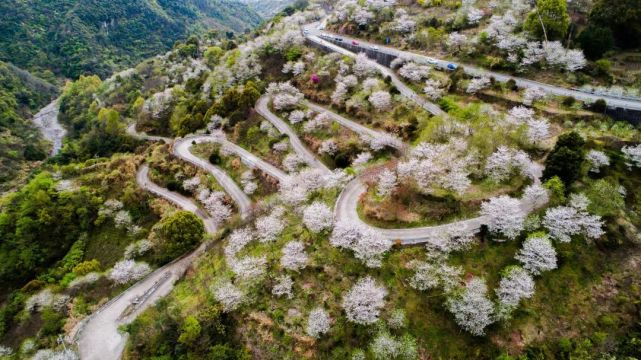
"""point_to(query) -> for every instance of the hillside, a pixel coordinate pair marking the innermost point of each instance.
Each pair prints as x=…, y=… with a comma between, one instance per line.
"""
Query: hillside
x=21, y=96
x=267, y=9
x=310, y=190
x=70, y=38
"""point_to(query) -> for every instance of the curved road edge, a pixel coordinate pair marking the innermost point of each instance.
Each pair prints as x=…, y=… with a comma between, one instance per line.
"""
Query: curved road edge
x=97, y=336
x=262, y=107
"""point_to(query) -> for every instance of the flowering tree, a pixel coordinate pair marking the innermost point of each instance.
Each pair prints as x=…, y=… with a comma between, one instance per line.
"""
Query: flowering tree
x=328, y=147
x=362, y=159
x=536, y=195
x=402, y=22
x=269, y=227
x=435, y=273
x=318, y=323
x=228, y=295
x=294, y=256
x=249, y=267
x=368, y=244
x=472, y=310
x=504, y=216
x=477, y=84
x=214, y=202
x=456, y=41
x=363, y=303
x=238, y=239
x=126, y=271
x=445, y=166
x=296, y=116
x=433, y=89
x=504, y=161
x=519, y=115
x=597, y=160
x=537, y=130
x=363, y=66
x=191, y=184
x=566, y=221
x=362, y=17
x=284, y=95
x=632, y=155
x=414, y=72
x=532, y=94
x=515, y=285
x=538, y=254
x=381, y=100
x=283, y=286
x=318, y=217
x=387, y=183
x=370, y=84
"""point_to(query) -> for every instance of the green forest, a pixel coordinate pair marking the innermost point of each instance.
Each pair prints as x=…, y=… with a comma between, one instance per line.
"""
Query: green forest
x=70, y=38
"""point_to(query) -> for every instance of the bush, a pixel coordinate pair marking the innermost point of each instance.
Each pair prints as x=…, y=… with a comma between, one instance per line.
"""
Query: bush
x=53, y=322
x=599, y=106
x=566, y=159
x=511, y=85
x=179, y=232
x=603, y=66
x=86, y=267
x=568, y=101
x=215, y=158
x=596, y=41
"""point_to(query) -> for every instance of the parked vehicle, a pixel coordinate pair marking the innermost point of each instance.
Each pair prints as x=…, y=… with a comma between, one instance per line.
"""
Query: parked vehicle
x=354, y=42
x=432, y=61
x=452, y=67
x=339, y=39
x=374, y=47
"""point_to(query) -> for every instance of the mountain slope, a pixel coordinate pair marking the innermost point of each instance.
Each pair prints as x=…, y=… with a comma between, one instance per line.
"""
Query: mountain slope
x=77, y=37
x=21, y=95
x=268, y=8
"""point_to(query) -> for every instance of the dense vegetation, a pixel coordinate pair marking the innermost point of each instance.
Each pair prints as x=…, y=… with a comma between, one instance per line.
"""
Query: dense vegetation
x=21, y=95
x=72, y=38
x=290, y=281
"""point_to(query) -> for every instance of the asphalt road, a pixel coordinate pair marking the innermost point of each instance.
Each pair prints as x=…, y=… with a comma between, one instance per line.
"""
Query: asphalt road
x=98, y=337
x=398, y=83
x=313, y=34
x=181, y=149
x=262, y=107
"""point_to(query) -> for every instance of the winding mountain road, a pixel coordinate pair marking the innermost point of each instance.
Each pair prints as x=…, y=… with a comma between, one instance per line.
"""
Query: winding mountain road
x=346, y=210
x=46, y=120
x=406, y=91
x=262, y=107
x=312, y=32
x=181, y=149
x=352, y=125
x=97, y=336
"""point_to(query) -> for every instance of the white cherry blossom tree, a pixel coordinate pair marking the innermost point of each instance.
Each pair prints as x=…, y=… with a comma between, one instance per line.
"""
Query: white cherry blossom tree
x=363, y=303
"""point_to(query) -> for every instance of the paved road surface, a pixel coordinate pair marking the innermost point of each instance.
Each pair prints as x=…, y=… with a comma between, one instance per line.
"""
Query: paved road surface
x=181, y=149
x=313, y=34
x=400, y=85
x=98, y=337
x=352, y=125
x=240, y=198
x=46, y=120
x=346, y=210
x=131, y=130
x=263, y=109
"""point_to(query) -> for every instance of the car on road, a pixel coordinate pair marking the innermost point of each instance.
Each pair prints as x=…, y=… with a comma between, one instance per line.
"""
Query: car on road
x=354, y=42
x=374, y=47
x=339, y=39
x=432, y=61
x=452, y=66
x=306, y=31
